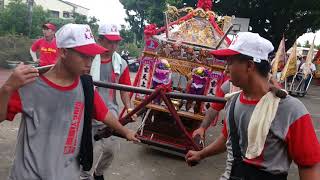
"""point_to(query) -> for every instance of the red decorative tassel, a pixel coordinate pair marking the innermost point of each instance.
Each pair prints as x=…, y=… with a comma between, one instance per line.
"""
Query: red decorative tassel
x=205, y=4
x=150, y=30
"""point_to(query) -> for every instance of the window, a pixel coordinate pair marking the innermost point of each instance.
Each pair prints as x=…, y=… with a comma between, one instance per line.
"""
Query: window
x=66, y=14
x=54, y=14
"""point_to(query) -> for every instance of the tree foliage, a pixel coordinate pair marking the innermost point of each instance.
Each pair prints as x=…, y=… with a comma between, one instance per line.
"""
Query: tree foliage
x=13, y=20
x=270, y=18
x=140, y=12
x=273, y=18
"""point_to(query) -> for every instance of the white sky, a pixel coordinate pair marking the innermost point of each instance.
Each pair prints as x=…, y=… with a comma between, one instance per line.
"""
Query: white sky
x=112, y=11
x=105, y=10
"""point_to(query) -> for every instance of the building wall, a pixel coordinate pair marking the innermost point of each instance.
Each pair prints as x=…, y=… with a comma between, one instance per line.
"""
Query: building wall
x=58, y=7
x=78, y=9
x=301, y=51
x=55, y=5
x=82, y=11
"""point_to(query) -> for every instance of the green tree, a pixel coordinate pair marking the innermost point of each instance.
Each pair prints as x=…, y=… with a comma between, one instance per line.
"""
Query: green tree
x=181, y=3
x=270, y=18
x=127, y=35
x=91, y=21
x=273, y=18
x=78, y=19
x=13, y=18
x=140, y=12
x=39, y=16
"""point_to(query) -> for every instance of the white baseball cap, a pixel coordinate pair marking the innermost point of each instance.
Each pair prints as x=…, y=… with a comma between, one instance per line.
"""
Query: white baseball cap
x=110, y=31
x=80, y=38
x=247, y=43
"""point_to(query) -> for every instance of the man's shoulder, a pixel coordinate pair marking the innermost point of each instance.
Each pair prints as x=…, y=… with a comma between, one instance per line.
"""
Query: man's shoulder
x=292, y=107
x=40, y=40
x=37, y=41
x=226, y=86
x=31, y=87
x=291, y=102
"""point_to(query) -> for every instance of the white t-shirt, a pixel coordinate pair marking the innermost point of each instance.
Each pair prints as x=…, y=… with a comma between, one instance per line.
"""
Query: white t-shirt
x=308, y=70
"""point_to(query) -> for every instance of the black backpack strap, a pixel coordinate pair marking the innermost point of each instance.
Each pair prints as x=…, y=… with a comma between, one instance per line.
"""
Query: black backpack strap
x=86, y=148
x=234, y=131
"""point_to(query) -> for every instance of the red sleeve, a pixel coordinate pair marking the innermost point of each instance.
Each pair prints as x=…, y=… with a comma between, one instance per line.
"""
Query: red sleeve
x=303, y=145
x=100, y=109
x=14, y=106
x=224, y=129
x=36, y=45
x=218, y=106
x=125, y=77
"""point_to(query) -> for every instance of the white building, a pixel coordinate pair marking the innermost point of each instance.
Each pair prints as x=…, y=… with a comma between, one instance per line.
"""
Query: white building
x=58, y=8
x=302, y=51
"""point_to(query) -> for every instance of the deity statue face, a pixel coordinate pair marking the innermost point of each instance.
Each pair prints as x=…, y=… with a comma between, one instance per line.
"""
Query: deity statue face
x=190, y=50
x=175, y=47
x=203, y=52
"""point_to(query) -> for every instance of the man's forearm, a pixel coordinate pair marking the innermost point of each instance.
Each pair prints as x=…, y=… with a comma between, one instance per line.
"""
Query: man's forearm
x=113, y=123
x=33, y=55
x=310, y=173
x=4, y=99
x=217, y=147
x=125, y=97
x=208, y=118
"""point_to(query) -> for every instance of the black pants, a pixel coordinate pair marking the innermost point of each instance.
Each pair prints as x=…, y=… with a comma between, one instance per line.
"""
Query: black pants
x=306, y=82
x=244, y=171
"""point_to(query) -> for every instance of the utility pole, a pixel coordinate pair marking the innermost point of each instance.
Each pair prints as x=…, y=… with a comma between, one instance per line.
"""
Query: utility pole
x=29, y=20
x=1, y=4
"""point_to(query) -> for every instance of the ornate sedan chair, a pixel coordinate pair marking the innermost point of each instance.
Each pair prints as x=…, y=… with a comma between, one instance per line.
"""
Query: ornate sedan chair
x=176, y=79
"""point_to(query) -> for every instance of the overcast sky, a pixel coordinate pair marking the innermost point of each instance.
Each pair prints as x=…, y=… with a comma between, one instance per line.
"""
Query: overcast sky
x=105, y=10
x=112, y=11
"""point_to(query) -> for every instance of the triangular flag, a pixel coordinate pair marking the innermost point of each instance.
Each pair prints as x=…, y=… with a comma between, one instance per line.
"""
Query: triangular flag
x=290, y=68
x=280, y=56
x=306, y=69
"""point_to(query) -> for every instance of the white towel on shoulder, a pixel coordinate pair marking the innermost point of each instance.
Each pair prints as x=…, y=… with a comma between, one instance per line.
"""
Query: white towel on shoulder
x=95, y=68
x=116, y=63
x=260, y=123
x=96, y=63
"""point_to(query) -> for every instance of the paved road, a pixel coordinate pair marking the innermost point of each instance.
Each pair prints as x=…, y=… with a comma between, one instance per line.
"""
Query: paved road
x=135, y=162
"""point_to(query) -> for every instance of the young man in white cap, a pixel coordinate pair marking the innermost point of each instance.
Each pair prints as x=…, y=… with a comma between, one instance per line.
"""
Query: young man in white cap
x=262, y=133
x=108, y=67
x=54, y=111
x=46, y=46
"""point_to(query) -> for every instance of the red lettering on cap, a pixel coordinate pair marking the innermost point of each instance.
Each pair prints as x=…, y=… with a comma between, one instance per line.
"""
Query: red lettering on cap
x=235, y=40
x=114, y=28
x=88, y=34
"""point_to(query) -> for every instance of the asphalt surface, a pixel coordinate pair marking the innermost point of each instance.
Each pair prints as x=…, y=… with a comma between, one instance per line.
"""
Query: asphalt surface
x=136, y=162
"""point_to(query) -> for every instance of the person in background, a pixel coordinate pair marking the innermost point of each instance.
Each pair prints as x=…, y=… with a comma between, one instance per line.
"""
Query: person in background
x=46, y=46
x=109, y=67
x=309, y=70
